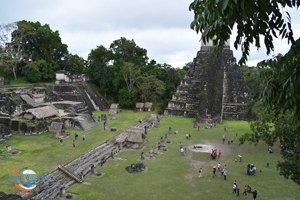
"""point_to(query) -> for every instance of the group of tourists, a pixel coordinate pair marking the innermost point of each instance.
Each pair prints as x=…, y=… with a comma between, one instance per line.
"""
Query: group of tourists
x=214, y=154
x=183, y=151
x=251, y=169
x=188, y=136
x=208, y=116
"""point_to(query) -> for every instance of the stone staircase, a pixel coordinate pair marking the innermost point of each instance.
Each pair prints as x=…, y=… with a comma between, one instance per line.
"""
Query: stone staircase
x=98, y=99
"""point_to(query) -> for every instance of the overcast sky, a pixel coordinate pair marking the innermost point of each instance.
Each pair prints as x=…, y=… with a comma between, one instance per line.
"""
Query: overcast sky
x=160, y=26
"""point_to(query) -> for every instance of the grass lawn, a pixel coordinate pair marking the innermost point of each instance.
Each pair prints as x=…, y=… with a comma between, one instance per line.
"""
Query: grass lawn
x=172, y=176
x=42, y=154
x=168, y=176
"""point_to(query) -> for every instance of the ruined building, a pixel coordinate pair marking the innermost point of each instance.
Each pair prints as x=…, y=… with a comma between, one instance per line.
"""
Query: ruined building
x=211, y=86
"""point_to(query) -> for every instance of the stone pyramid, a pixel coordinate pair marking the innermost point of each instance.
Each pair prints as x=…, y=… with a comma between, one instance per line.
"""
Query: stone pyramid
x=211, y=86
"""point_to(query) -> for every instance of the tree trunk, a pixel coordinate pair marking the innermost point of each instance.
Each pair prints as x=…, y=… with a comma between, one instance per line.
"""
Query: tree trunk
x=14, y=72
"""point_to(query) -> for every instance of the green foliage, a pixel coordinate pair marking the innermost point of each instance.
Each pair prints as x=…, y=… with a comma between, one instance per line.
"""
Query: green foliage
x=125, y=99
x=32, y=72
x=150, y=88
x=254, y=19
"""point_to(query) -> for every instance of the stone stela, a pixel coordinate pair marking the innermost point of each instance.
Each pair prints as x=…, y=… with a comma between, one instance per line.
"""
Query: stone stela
x=105, y=126
x=8, y=149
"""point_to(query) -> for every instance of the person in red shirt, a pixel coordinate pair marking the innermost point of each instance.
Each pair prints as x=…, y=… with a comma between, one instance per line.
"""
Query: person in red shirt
x=190, y=136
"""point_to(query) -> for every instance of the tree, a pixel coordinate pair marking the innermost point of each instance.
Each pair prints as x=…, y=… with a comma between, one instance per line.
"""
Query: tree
x=255, y=19
x=74, y=63
x=150, y=88
x=128, y=51
x=11, y=46
x=131, y=74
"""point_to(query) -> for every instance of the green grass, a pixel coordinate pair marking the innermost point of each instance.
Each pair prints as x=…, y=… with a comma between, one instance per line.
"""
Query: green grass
x=42, y=154
x=170, y=175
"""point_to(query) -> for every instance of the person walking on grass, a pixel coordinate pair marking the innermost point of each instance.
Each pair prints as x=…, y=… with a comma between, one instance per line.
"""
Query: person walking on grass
x=236, y=134
x=234, y=188
x=61, y=142
x=214, y=171
x=225, y=174
x=219, y=156
x=73, y=143
x=190, y=136
x=219, y=167
x=187, y=136
x=229, y=141
x=200, y=171
x=254, y=194
x=245, y=190
x=83, y=137
x=238, y=192
x=222, y=172
x=185, y=151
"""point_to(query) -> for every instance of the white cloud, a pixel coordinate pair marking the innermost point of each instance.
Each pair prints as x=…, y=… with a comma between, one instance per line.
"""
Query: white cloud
x=161, y=27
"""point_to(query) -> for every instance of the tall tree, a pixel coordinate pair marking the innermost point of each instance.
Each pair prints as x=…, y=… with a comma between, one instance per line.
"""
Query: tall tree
x=131, y=74
x=128, y=51
x=267, y=19
x=12, y=46
x=150, y=88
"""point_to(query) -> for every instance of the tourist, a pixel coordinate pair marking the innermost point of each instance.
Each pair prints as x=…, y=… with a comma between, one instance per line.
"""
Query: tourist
x=83, y=137
x=180, y=145
x=187, y=136
x=229, y=141
x=245, y=190
x=219, y=167
x=225, y=174
x=238, y=192
x=61, y=142
x=215, y=124
x=248, y=169
x=236, y=134
x=249, y=190
x=73, y=143
x=227, y=128
x=210, y=125
x=235, y=182
x=224, y=128
x=270, y=151
x=223, y=139
x=198, y=128
x=181, y=151
x=222, y=172
x=212, y=153
x=225, y=167
x=234, y=188
x=254, y=194
x=214, y=171
x=190, y=136
x=50, y=100
x=240, y=158
x=219, y=156
x=185, y=151
x=200, y=171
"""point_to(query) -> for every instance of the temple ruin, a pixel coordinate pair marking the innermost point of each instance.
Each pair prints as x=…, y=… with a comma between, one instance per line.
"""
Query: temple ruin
x=214, y=87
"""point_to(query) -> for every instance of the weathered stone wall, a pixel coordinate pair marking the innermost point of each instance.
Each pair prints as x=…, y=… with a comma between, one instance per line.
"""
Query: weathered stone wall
x=211, y=86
